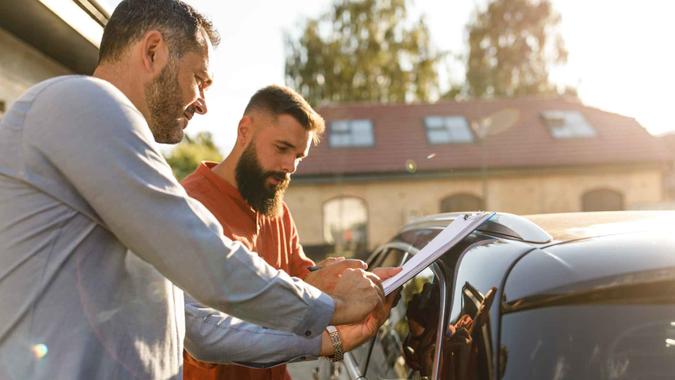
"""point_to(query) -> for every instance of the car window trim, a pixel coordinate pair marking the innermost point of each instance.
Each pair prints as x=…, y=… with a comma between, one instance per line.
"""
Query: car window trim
x=406, y=248
x=440, y=330
x=353, y=370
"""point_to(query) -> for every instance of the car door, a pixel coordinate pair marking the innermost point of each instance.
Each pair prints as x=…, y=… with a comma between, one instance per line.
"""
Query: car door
x=444, y=325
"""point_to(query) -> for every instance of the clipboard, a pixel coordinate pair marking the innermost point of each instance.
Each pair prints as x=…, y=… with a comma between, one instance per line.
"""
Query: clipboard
x=460, y=228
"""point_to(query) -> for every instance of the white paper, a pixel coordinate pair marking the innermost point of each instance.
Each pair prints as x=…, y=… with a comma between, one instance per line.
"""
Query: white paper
x=451, y=235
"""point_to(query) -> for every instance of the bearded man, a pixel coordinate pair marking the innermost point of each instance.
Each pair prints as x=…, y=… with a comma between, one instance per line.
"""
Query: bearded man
x=245, y=193
x=97, y=238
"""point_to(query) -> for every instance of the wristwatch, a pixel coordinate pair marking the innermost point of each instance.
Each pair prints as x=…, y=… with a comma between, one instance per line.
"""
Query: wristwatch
x=337, y=343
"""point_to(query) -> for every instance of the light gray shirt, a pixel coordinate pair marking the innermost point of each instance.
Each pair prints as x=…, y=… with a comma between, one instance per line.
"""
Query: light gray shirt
x=215, y=337
x=94, y=232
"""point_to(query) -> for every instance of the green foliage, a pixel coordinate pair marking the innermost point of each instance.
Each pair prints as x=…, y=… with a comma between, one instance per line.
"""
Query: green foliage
x=185, y=157
x=362, y=50
x=512, y=43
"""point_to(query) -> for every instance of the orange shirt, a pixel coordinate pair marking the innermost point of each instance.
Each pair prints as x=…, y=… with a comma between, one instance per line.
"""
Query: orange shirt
x=274, y=239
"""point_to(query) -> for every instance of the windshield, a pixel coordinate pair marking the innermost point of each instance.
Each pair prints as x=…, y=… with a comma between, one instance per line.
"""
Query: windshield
x=625, y=341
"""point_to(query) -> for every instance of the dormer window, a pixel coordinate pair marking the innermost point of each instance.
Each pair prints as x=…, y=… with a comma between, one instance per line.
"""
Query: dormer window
x=349, y=133
x=447, y=130
x=567, y=124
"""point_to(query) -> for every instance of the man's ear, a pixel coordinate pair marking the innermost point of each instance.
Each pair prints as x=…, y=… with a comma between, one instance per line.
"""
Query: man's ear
x=245, y=130
x=154, y=51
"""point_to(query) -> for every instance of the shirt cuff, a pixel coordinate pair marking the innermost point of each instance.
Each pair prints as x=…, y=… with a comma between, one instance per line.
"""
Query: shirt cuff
x=317, y=318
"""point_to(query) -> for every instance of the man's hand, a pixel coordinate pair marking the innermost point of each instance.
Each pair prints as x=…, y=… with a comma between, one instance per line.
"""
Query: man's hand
x=329, y=272
x=355, y=291
x=353, y=335
x=358, y=293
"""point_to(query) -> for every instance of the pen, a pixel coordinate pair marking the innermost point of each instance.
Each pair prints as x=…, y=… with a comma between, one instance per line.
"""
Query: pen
x=313, y=268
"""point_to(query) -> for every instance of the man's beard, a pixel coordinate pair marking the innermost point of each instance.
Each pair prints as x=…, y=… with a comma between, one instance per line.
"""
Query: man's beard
x=253, y=187
x=163, y=97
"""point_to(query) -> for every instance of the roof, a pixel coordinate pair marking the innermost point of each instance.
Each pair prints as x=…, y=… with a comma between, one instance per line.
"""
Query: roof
x=400, y=136
x=62, y=31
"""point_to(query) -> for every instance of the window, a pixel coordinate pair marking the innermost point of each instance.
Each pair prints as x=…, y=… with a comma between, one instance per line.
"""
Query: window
x=447, y=129
x=567, y=124
x=462, y=202
x=602, y=200
x=346, y=133
x=345, y=225
x=405, y=346
x=391, y=257
x=622, y=340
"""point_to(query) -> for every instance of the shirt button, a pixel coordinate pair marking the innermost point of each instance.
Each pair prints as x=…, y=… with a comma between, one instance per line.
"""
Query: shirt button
x=308, y=333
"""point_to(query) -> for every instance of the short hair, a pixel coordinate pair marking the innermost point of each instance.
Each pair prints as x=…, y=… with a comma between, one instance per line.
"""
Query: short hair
x=281, y=100
x=178, y=22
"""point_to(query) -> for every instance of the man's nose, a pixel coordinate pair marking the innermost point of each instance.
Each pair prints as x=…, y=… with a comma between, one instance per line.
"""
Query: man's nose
x=290, y=165
x=200, y=104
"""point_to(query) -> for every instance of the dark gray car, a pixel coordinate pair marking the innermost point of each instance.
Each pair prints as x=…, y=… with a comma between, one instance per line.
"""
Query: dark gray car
x=561, y=296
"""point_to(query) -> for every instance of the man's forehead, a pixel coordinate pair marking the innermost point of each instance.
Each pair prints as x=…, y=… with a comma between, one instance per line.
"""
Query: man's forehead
x=206, y=52
x=285, y=128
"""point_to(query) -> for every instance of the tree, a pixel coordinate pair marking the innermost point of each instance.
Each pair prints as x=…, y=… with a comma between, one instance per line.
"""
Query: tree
x=362, y=50
x=187, y=155
x=512, y=43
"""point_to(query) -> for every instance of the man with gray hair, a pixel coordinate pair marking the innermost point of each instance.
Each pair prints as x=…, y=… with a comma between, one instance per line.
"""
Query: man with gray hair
x=95, y=231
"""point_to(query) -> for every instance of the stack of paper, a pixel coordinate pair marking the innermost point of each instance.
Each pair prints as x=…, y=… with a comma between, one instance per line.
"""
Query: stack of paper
x=451, y=235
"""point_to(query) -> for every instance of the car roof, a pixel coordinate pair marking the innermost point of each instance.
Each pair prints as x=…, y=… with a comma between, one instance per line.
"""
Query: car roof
x=577, y=252
x=550, y=229
x=580, y=225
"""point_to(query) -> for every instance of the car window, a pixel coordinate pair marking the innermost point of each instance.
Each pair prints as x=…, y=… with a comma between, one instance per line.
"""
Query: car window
x=418, y=238
x=390, y=257
x=467, y=348
x=625, y=341
x=405, y=345
x=469, y=340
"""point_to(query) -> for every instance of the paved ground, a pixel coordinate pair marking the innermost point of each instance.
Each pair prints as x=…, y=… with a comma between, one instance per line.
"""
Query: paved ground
x=313, y=370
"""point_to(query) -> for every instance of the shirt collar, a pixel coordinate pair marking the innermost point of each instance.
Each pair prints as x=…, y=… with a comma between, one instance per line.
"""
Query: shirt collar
x=205, y=170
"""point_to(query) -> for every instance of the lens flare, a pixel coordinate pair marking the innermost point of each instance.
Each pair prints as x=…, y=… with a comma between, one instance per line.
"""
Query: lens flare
x=411, y=166
x=39, y=350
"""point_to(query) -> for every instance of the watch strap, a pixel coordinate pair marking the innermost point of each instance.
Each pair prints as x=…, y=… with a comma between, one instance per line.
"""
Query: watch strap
x=336, y=341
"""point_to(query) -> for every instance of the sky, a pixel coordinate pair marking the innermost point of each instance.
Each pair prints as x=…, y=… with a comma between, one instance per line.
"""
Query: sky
x=621, y=57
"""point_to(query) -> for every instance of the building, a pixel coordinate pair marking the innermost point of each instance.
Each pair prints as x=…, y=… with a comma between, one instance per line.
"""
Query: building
x=40, y=39
x=669, y=142
x=378, y=166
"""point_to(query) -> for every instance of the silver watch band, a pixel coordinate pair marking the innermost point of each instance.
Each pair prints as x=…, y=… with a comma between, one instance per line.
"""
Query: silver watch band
x=337, y=343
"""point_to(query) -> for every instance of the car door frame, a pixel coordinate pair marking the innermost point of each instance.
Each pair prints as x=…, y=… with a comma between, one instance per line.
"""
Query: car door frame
x=352, y=366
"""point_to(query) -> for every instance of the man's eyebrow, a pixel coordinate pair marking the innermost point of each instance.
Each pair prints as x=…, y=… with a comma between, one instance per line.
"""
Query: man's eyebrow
x=286, y=144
